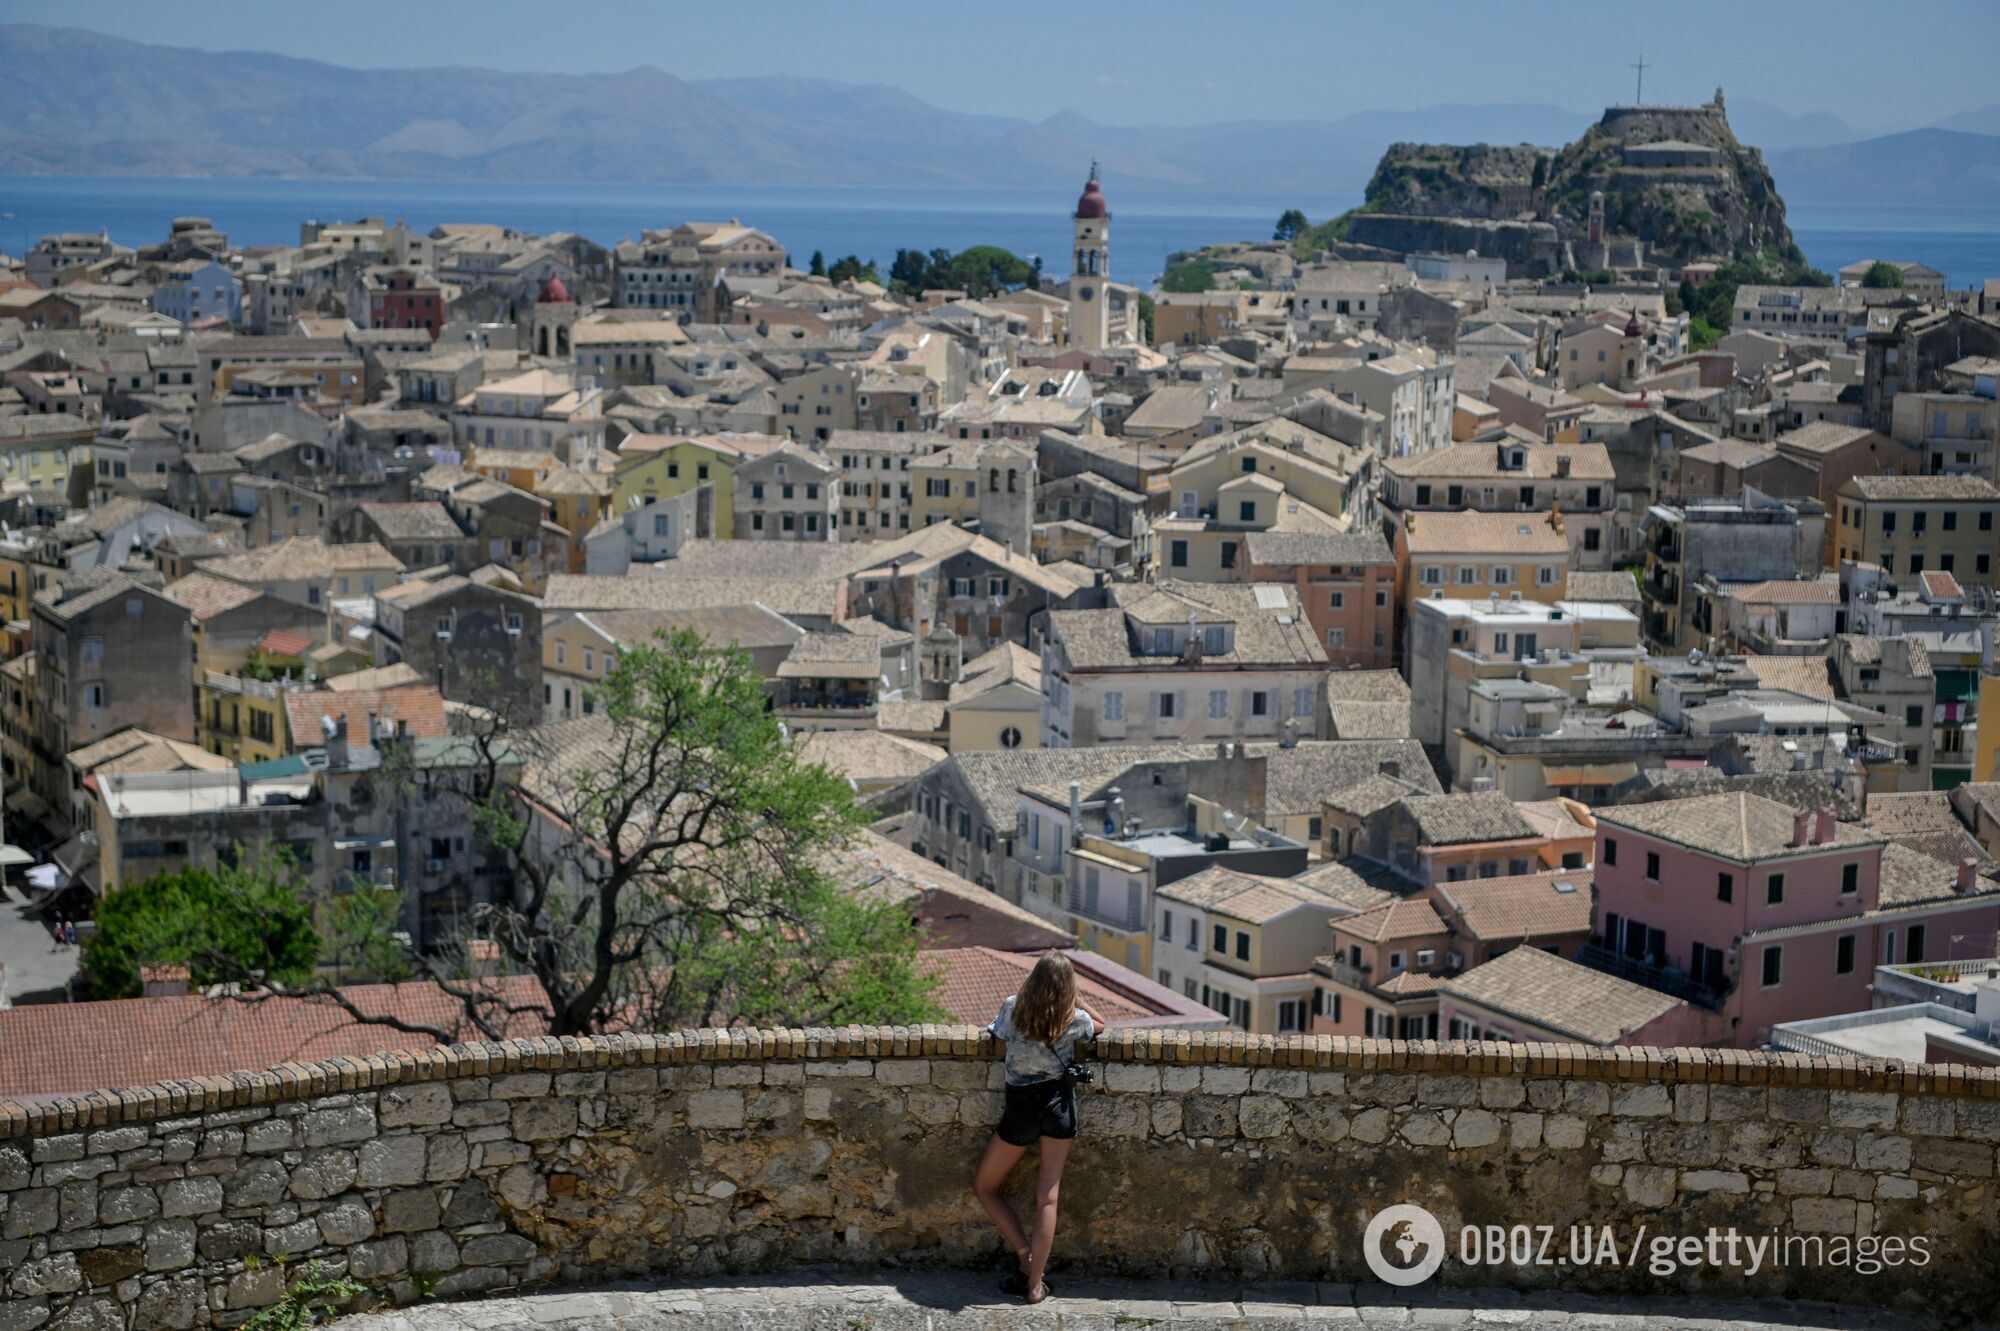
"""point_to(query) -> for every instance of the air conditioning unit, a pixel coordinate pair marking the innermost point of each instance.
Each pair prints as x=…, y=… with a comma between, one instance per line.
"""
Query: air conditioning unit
x=444, y=635
x=433, y=866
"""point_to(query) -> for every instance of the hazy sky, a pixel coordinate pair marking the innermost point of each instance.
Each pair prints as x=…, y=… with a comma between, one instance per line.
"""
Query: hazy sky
x=1161, y=61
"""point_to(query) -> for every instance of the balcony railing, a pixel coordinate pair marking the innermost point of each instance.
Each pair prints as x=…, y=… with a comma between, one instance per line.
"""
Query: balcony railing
x=1666, y=979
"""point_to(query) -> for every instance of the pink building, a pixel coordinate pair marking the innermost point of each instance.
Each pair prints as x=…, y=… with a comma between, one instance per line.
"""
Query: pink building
x=1768, y=914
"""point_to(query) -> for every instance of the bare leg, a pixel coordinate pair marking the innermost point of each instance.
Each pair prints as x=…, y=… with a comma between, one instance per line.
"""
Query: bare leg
x=987, y=1185
x=1048, y=1184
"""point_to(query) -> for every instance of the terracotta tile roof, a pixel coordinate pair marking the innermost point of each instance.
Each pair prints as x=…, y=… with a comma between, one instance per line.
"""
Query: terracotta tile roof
x=869, y=755
x=1415, y=918
x=1900, y=813
x=1791, y=591
x=286, y=642
x=1737, y=826
x=1527, y=907
x=974, y=981
x=1561, y=996
x=69, y=1048
x=1484, y=534
x=1799, y=674
x=1940, y=585
x=417, y=707
x=207, y=596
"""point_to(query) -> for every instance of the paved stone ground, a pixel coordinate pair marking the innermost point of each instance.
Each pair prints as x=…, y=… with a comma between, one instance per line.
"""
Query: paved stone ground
x=965, y=1301
x=36, y=972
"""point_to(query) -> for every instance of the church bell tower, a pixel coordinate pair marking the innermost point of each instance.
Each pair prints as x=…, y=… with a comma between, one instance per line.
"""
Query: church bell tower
x=1089, y=308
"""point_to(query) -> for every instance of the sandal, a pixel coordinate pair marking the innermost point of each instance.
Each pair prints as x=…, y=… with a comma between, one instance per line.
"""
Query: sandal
x=1048, y=1292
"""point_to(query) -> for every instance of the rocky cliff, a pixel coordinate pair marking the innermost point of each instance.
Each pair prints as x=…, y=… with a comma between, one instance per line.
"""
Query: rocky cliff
x=1670, y=184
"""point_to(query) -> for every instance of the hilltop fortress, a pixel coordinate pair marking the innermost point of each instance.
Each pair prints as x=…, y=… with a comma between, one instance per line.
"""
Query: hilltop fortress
x=1646, y=186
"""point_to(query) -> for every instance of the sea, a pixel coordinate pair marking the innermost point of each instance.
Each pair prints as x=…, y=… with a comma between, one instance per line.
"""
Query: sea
x=1963, y=243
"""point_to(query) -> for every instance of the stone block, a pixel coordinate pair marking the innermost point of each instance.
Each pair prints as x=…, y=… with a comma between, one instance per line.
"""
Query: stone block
x=118, y=1206
x=190, y=1196
x=1650, y=1186
x=1862, y=1109
x=108, y=1264
x=1326, y=1083
x=520, y=1086
x=1928, y=1117
x=1591, y=1099
x=632, y=1081
x=255, y=1289
x=1805, y=1182
x=1823, y=1215
x=421, y=1105
x=705, y=1109
x=1684, y=1144
x=1474, y=1128
x=433, y=1252
x=15, y=1172
x=59, y=1146
x=836, y=1067
x=1715, y=1180
x=77, y=1206
x=379, y=1258
x=818, y=1103
x=228, y=1240
x=1733, y=1104
x=1134, y=1078
x=932, y=1108
x=1646, y=1100
x=1895, y=1187
x=592, y=1083
x=56, y=1274
x=333, y=1127
x=1954, y=1159
x=1830, y=1147
x=1321, y=1119
x=349, y=1221
x=1263, y=1116
x=470, y=1204
x=1502, y=1092
x=296, y=1237
x=1565, y=1132
x=951, y=1075
x=1225, y=1081
x=446, y=1157
x=172, y=1305
x=738, y=1074
x=547, y=1120
x=1882, y=1154
x=1166, y=1118
x=1119, y=1116
x=495, y=1250
x=1798, y=1104
x=323, y=1174
x=1209, y=1115
x=1382, y=1088
x=1524, y=1130
x=99, y=1312
x=1289, y=1082
x=786, y=1074
x=24, y=1314
x=270, y=1136
x=481, y=1114
x=31, y=1213
x=1425, y=1128
x=1447, y=1091
x=1691, y=1104
x=410, y=1210
x=169, y=1244
x=1371, y=1126
x=389, y=1162
x=109, y=1141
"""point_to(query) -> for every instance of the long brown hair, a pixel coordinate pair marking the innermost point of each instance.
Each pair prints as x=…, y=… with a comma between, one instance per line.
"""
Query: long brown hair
x=1047, y=1001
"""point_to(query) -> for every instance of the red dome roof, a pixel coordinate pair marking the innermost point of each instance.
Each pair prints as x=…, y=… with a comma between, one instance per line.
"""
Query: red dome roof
x=553, y=293
x=1633, y=328
x=1091, y=202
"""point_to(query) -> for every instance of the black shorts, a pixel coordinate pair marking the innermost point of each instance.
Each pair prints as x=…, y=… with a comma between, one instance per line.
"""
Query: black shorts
x=1039, y=1109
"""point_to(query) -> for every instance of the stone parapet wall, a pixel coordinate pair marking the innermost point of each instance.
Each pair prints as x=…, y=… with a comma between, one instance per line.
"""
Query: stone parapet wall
x=489, y=1166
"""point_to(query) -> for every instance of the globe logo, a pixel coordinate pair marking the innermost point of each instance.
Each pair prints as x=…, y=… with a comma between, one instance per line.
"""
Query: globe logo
x=1403, y=1245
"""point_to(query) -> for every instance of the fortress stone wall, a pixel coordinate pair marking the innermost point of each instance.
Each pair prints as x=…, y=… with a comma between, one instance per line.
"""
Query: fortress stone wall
x=489, y=1166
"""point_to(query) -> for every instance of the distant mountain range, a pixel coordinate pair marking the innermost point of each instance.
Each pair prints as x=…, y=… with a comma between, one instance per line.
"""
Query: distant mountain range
x=76, y=102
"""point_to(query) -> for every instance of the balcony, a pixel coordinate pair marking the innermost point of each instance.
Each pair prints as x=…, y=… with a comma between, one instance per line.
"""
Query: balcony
x=1668, y=980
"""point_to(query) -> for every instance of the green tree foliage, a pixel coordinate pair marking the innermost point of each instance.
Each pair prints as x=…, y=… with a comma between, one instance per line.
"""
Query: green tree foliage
x=1882, y=276
x=1713, y=302
x=980, y=271
x=1291, y=223
x=226, y=924
x=314, y=1297
x=1146, y=317
x=1189, y=275
x=854, y=269
x=818, y=268
x=678, y=862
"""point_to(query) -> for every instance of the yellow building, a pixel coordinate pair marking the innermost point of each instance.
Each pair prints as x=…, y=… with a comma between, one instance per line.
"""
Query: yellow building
x=41, y=452
x=997, y=702
x=969, y=480
x=663, y=466
x=1919, y=524
x=1471, y=556
x=241, y=718
x=1986, y=745
x=17, y=590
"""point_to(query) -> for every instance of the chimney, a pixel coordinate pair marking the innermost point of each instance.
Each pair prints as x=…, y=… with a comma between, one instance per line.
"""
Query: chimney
x=1823, y=827
x=1222, y=750
x=1291, y=739
x=1562, y=464
x=165, y=981
x=1075, y=807
x=1968, y=875
x=1801, y=824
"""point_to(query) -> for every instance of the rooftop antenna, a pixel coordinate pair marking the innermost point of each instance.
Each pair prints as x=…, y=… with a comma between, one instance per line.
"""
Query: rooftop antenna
x=1640, y=95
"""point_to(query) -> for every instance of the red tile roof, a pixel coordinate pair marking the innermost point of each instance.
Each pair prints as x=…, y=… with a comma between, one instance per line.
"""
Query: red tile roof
x=417, y=708
x=70, y=1048
x=974, y=981
x=286, y=642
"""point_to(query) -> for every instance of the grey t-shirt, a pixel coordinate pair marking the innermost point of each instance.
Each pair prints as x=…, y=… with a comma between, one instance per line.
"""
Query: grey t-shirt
x=1030, y=1061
